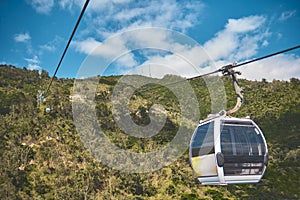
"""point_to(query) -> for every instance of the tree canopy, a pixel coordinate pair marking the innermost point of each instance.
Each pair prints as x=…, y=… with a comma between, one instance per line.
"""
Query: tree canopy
x=43, y=157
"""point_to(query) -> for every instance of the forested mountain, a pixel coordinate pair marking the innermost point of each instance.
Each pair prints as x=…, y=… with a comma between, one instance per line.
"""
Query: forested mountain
x=43, y=157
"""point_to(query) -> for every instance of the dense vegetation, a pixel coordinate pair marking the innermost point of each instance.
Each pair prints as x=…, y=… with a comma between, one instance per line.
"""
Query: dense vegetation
x=42, y=156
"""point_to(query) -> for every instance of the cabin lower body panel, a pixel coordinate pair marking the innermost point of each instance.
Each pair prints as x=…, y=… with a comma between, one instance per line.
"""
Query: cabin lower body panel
x=242, y=179
x=214, y=180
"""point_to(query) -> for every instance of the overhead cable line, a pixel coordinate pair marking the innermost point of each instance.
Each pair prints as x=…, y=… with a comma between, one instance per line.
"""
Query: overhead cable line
x=222, y=69
x=267, y=56
x=67, y=46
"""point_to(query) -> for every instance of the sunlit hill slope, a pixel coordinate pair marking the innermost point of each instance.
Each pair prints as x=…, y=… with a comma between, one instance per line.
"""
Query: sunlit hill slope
x=43, y=157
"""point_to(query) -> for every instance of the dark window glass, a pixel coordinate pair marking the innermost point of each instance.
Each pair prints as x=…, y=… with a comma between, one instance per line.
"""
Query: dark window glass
x=203, y=140
x=243, y=148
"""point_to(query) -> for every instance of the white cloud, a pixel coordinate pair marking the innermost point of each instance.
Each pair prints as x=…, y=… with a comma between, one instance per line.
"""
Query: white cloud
x=221, y=45
x=22, y=37
x=34, y=67
x=107, y=50
x=245, y=24
x=172, y=64
x=286, y=15
x=93, y=47
x=265, y=43
x=51, y=45
x=127, y=60
x=157, y=46
x=120, y=46
x=48, y=47
x=279, y=36
x=249, y=45
x=41, y=6
x=239, y=39
x=66, y=4
x=33, y=60
x=71, y=4
x=281, y=67
x=26, y=39
x=109, y=17
x=128, y=14
x=33, y=63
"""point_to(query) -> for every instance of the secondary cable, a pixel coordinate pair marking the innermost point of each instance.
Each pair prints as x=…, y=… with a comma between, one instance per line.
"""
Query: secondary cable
x=67, y=46
x=226, y=67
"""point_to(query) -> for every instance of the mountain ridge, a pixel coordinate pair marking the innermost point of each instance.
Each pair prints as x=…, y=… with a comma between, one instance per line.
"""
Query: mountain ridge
x=42, y=155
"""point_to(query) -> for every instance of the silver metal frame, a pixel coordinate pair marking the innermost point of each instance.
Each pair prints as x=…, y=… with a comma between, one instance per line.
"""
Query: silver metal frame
x=220, y=178
x=205, y=176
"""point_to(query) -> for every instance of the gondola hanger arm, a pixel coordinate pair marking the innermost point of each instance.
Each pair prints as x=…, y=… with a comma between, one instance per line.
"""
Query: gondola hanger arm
x=228, y=71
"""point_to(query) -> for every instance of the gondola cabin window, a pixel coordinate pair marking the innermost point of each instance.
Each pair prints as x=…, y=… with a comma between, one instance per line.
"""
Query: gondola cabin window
x=202, y=152
x=203, y=142
x=243, y=148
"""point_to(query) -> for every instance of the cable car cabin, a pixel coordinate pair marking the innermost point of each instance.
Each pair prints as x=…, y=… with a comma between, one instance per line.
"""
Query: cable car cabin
x=226, y=150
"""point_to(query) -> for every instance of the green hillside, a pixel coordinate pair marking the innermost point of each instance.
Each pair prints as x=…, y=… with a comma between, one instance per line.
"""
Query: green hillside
x=42, y=156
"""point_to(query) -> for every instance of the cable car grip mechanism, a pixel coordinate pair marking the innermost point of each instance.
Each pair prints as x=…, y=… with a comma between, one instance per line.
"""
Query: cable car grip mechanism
x=228, y=71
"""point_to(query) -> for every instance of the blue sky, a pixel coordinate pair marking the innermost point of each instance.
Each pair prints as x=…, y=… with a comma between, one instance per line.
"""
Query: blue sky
x=35, y=32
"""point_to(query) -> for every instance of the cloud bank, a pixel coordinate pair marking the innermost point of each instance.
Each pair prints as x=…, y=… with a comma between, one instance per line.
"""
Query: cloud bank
x=41, y=6
x=22, y=37
x=239, y=40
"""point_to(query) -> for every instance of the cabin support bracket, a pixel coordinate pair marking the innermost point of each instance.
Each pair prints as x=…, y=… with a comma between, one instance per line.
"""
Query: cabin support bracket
x=228, y=71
